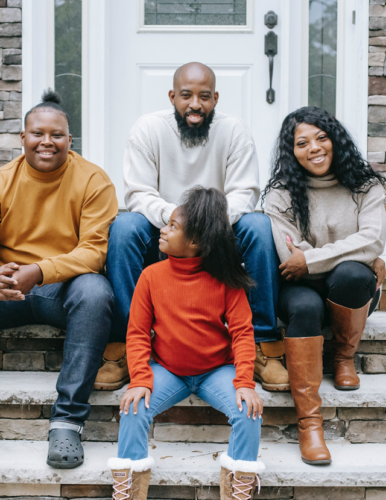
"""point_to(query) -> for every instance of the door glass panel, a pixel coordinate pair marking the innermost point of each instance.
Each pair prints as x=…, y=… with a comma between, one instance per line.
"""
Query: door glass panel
x=322, y=54
x=196, y=12
x=68, y=64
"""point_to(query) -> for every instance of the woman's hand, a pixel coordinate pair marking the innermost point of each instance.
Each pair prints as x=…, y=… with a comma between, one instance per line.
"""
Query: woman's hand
x=7, y=281
x=135, y=394
x=252, y=400
x=379, y=270
x=27, y=277
x=295, y=267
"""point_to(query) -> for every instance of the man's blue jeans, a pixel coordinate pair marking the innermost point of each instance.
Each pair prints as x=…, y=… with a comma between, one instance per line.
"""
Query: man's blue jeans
x=215, y=388
x=83, y=306
x=133, y=245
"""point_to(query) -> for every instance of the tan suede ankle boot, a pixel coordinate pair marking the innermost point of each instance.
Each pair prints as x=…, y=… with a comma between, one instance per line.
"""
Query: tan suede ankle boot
x=235, y=484
x=114, y=373
x=347, y=326
x=131, y=482
x=269, y=366
x=122, y=484
x=305, y=369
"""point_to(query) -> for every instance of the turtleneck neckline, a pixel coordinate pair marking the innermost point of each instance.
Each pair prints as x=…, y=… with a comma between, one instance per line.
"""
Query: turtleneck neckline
x=322, y=182
x=38, y=176
x=191, y=265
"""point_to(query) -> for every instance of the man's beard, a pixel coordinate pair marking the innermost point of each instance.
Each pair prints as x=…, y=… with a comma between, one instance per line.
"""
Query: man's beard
x=193, y=136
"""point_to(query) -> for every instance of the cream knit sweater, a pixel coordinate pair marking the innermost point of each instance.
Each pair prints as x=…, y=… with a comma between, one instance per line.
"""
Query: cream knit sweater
x=158, y=168
x=340, y=228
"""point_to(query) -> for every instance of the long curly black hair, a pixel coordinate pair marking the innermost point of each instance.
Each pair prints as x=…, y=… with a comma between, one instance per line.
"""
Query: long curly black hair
x=204, y=212
x=349, y=167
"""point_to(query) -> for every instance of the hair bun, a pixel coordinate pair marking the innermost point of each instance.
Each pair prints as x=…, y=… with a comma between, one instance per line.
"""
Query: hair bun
x=50, y=95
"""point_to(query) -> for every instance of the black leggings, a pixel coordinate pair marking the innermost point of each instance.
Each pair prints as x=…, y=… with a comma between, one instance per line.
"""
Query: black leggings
x=302, y=305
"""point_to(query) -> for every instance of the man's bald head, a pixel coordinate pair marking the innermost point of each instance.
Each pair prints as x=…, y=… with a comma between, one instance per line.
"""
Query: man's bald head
x=194, y=71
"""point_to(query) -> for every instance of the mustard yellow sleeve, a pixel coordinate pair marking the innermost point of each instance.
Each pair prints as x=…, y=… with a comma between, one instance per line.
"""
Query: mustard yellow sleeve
x=99, y=210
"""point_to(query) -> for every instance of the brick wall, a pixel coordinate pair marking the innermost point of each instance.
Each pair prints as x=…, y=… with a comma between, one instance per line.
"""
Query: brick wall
x=377, y=85
x=10, y=79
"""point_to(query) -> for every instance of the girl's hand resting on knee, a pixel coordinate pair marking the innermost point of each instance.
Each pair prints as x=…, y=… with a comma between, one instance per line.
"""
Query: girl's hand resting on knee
x=135, y=395
x=252, y=399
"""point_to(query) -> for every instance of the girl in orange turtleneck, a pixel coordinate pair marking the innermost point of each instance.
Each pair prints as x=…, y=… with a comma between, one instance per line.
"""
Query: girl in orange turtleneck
x=195, y=302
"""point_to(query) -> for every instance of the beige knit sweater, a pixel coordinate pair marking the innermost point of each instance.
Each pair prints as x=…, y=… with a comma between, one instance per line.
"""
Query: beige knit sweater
x=341, y=229
x=158, y=168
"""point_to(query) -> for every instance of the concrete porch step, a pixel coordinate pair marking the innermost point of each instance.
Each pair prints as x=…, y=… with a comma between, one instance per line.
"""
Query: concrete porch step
x=375, y=330
x=23, y=462
x=30, y=388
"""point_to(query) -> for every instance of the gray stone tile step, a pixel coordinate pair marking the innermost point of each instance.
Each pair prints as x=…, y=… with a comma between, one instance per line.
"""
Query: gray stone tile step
x=375, y=330
x=39, y=388
x=183, y=464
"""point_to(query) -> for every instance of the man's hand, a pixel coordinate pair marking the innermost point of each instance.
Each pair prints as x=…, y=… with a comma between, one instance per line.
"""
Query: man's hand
x=7, y=281
x=295, y=267
x=252, y=400
x=135, y=394
x=379, y=270
x=27, y=277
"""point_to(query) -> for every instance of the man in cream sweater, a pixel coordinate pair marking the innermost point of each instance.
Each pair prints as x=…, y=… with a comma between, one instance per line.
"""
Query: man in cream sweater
x=167, y=153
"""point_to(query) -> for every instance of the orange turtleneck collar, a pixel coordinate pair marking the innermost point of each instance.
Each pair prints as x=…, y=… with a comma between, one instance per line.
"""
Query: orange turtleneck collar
x=190, y=265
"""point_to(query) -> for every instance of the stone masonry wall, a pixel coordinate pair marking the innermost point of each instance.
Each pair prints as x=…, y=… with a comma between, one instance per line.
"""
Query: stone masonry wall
x=10, y=80
x=83, y=492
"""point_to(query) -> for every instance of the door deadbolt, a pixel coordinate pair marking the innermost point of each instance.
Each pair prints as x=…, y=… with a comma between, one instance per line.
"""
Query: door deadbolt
x=270, y=19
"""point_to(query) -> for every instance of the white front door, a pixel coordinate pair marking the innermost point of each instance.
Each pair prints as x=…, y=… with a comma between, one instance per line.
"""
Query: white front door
x=146, y=44
x=124, y=53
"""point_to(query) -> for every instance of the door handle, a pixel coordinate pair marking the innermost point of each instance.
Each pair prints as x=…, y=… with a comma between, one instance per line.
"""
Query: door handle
x=270, y=51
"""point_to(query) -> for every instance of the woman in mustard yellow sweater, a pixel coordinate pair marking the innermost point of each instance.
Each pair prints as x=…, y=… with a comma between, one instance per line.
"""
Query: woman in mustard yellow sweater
x=55, y=213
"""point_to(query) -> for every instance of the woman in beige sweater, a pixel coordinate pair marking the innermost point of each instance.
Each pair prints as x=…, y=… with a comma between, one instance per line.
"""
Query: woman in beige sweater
x=328, y=218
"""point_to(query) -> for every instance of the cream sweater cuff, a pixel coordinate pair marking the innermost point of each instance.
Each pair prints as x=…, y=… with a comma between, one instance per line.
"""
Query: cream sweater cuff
x=167, y=212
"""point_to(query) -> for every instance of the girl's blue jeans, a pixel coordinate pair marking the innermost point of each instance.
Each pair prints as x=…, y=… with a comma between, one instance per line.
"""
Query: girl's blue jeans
x=215, y=388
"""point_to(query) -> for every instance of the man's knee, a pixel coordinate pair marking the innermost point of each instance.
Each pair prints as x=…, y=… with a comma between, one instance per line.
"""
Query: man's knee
x=92, y=291
x=127, y=227
x=256, y=226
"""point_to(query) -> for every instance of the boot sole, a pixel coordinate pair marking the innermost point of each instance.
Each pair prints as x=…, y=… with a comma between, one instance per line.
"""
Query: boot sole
x=347, y=387
x=64, y=465
x=273, y=387
x=316, y=462
x=99, y=386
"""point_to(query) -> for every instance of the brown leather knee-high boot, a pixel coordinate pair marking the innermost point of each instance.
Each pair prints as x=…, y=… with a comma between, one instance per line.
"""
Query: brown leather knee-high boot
x=347, y=326
x=305, y=370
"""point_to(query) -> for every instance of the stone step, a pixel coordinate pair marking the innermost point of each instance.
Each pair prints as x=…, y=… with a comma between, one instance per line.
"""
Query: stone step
x=184, y=464
x=375, y=330
x=40, y=348
x=30, y=388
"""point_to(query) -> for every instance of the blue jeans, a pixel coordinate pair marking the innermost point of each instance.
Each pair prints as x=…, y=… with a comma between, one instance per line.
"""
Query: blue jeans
x=215, y=388
x=83, y=306
x=133, y=245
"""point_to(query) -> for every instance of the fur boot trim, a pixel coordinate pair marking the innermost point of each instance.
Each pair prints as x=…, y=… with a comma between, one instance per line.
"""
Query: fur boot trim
x=241, y=465
x=142, y=465
x=119, y=463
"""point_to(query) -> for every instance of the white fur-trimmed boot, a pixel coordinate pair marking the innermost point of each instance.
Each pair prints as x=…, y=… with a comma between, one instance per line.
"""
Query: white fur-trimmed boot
x=238, y=478
x=131, y=477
